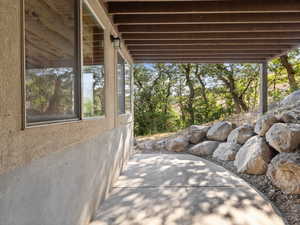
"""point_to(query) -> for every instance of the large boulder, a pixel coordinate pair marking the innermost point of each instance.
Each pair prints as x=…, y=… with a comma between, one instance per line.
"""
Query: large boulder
x=147, y=145
x=241, y=134
x=226, y=151
x=284, y=172
x=160, y=145
x=204, y=149
x=178, y=144
x=219, y=131
x=291, y=99
x=284, y=137
x=197, y=133
x=253, y=157
x=292, y=116
x=264, y=123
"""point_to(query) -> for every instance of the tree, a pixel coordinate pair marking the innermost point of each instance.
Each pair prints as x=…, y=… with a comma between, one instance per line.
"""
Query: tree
x=169, y=97
x=200, y=76
x=235, y=80
x=186, y=69
x=172, y=96
x=290, y=72
x=153, y=111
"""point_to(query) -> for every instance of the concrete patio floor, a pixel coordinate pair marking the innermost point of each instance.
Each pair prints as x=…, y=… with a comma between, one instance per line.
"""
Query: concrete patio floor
x=181, y=189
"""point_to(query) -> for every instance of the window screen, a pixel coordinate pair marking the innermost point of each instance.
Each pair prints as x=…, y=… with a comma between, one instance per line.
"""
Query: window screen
x=93, y=79
x=50, y=60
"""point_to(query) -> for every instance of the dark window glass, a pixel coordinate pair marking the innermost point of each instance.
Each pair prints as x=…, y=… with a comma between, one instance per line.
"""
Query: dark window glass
x=50, y=43
x=121, y=84
x=93, y=79
x=128, y=87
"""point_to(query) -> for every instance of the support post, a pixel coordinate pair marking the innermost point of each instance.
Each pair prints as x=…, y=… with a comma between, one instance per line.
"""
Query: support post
x=263, y=108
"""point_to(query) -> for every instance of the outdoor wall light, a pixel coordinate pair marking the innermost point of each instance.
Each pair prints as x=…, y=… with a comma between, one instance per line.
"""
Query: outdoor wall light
x=116, y=41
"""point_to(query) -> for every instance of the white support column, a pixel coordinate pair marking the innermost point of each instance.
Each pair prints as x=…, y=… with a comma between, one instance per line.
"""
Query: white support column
x=263, y=107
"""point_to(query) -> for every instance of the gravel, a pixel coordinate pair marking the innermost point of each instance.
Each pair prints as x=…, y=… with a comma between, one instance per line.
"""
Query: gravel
x=288, y=204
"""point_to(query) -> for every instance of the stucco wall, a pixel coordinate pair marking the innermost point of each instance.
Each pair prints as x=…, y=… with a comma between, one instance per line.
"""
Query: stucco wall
x=64, y=188
x=19, y=147
x=55, y=174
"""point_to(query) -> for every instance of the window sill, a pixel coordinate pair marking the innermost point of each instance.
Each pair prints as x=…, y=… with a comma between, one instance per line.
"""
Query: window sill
x=51, y=123
x=94, y=118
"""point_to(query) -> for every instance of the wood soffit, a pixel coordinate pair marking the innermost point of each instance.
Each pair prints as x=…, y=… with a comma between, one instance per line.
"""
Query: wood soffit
x=207, y=31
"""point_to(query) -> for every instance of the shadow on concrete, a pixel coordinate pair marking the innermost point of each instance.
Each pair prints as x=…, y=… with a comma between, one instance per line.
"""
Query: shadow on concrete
x=182, y=190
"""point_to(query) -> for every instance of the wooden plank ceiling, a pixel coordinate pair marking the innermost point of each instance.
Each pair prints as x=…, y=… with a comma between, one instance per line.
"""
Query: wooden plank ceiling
x=207, y=31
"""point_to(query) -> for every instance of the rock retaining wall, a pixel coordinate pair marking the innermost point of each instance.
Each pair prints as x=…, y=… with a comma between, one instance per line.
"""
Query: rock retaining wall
x=271, y=146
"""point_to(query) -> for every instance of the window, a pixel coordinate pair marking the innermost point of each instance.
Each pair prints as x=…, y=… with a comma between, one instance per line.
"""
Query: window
x=128, y=87
x=51, y=73
x=124, y=85
x=121, y=84
x=93, y=79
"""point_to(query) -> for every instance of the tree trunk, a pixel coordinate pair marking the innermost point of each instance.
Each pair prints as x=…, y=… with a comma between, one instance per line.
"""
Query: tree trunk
x=229, y=82
x=291, y=72
x=181, y=106
x=239, y=102
x=168, y=94
x=203, y=87
x=187, y=70
x=236, y=104
x=243, y=104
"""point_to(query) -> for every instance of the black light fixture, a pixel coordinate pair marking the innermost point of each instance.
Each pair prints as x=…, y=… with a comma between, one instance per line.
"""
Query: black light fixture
x=116, y=41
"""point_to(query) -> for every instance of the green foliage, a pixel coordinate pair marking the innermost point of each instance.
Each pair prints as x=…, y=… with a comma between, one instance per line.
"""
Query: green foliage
x=94, y=106
x=88, y=108
x=278, y=77
x=169, y=97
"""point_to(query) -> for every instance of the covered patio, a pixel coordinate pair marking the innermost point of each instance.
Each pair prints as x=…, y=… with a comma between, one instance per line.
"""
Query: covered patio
x=208, y=31
x=67, y=108
x=195, y=191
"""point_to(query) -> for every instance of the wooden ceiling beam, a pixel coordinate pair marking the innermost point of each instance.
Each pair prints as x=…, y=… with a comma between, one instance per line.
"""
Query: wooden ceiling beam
x=207, y=47
x=207, y=18
x=193, y=60
x=206, y=52
x=245, y=6
x=212, y=42
x=224, y=56
x=164, y=0
x=203, y=59
x=211, y=36
x=210, y=30
x=207, y=28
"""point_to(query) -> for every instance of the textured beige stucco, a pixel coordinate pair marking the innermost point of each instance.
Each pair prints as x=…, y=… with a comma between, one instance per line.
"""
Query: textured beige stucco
x=65, y=188
x=19, y=147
